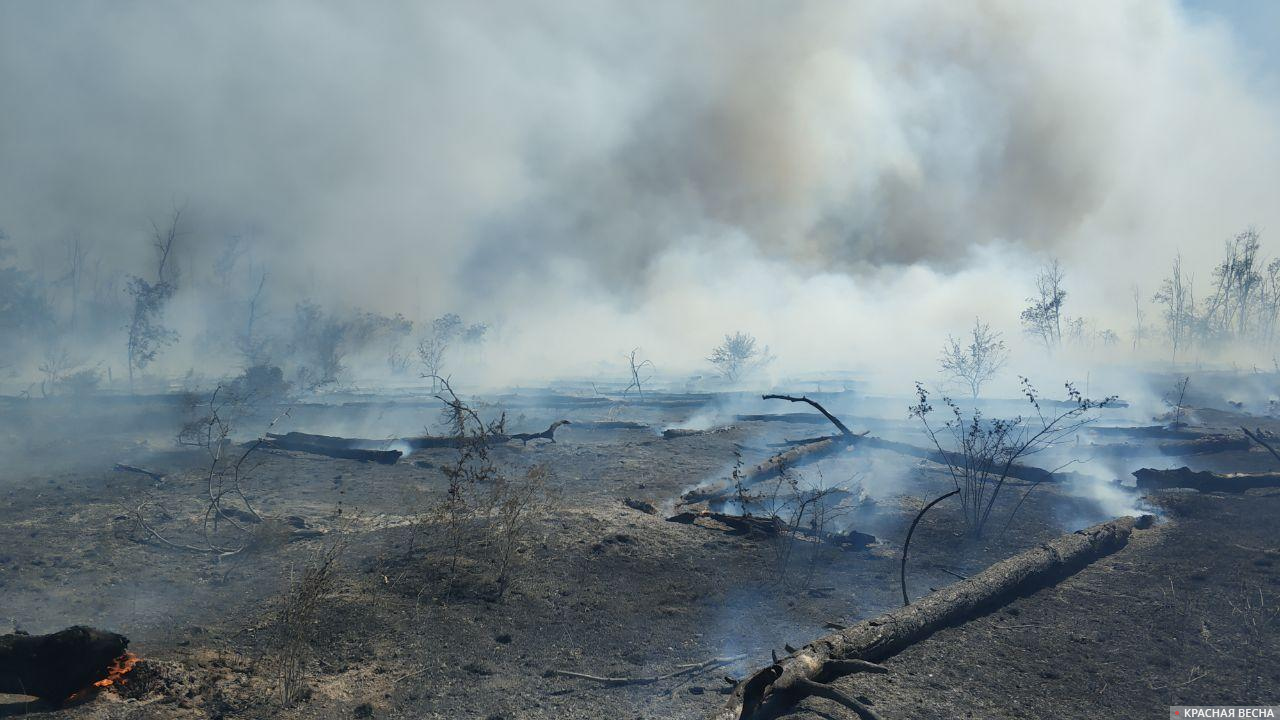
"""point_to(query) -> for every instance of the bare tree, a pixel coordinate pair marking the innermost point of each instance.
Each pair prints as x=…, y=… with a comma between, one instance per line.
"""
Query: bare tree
x=737, y=355
x=77, y=256
x=250, y=345
x=1139, y=319
x=147, y=334
x=637, y=367
x=981, y=359
x=1236, y=281
x=1043, y=318
x=1175, y=399
x=1177, y=294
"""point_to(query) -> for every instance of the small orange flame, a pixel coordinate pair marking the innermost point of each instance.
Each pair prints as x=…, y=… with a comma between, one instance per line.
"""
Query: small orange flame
x=119, y=668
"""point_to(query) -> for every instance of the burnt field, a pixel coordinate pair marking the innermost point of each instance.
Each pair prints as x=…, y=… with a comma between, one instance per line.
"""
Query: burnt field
x=616, y=574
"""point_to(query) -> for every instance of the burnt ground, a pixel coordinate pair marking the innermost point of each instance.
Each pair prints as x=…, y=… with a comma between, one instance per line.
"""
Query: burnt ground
x=1185, y=613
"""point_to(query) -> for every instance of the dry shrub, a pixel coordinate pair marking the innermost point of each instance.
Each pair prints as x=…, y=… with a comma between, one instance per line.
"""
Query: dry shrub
x=296, y=626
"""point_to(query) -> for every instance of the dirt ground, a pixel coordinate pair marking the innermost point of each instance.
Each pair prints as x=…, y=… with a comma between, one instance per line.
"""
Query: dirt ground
x=1186, y=613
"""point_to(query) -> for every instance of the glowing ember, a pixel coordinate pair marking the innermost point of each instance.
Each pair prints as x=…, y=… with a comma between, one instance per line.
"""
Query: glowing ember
x=119, y=668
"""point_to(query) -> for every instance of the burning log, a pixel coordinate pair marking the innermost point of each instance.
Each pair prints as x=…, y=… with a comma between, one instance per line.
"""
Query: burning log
x=1184, y=477
x=769, y=692
x=57, y=666
x=770, y=526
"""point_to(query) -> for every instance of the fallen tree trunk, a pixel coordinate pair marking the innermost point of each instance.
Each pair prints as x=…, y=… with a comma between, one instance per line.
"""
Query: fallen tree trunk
x=770, y=691
x=1184, y=477
x=814, y=449
x=770, y=468
x=53, y=667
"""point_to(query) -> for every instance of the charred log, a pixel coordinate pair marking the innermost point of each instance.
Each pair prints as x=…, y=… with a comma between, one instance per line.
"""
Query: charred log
x=644, y=507
x=331, y=447
x=1200, y=445
x=1028, y=473
x=121, y=467
x=53, y=667
x=1184, y=477
x=1177, y=431
x=548, y=434
x=771, y=691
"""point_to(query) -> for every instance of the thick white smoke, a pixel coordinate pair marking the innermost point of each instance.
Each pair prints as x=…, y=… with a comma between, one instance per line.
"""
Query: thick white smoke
x=847, y=180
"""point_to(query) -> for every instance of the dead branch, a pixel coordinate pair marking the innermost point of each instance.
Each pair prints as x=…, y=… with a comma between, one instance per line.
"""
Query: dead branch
x=772, y=690
x=548, y=434
x=902, y=573
x=834, y=420
x=1261, y=442
x=682, y=670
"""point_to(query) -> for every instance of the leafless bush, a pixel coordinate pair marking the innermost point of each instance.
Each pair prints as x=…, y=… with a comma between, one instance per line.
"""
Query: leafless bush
x=980, y=451
x=638, y=367
x=296, y=627
x=227, y=508
x=486, y=514
x=806, y=512
x=517, y=504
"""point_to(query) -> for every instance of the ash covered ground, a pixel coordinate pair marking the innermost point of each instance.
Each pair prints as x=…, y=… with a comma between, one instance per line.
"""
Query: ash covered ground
x=403, y=628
